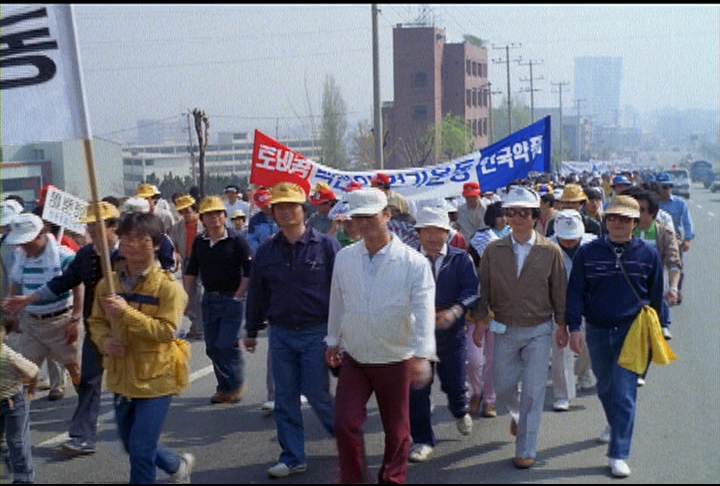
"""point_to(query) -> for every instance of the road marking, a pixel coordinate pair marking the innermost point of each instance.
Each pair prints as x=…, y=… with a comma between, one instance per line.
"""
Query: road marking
x=108, y=416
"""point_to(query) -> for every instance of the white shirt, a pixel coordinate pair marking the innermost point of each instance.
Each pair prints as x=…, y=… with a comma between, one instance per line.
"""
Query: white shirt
x=382, y=309
x=521, y=250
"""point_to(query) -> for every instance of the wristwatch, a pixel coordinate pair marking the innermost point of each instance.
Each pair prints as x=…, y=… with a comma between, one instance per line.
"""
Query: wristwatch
x=458, y=313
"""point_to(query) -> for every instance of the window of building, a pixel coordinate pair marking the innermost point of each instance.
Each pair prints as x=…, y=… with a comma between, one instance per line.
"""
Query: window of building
x=468, y=95
x=485, y=127
x=475, y=97
x=419, y=80
x=474, y=69
x=468, y=68
x=419, y=112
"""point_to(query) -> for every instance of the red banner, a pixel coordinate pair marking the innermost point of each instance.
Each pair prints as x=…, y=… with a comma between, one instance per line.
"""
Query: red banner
x=273, y=162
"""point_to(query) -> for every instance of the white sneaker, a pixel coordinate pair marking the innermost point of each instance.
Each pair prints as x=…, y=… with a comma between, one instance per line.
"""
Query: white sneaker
x=182, y=475
x=561, y=405
x=619, y=468
x=268, y=406
x=586, y=382
x=640, y=381
x=464, y=424
x=303, y=400
x=282, y=470
x=605, y=436
x=420, y=453
x=666, y=333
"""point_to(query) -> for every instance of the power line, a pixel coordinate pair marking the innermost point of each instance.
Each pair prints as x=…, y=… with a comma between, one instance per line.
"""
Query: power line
x=507, y=62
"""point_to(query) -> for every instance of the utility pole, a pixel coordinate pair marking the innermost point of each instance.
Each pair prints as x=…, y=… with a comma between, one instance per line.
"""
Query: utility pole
x=487, y=90
x=577, y=105
x=507, y=63
x=202, y=127
x=376, y=92
x=190, y=149
x=532, y=90
x=560, y=87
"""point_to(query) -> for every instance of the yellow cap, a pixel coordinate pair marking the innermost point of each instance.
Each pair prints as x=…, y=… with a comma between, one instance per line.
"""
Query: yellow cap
x=211, y=203
x=107, y=211
x=146, y=191
x=183, y=202
x=287, y=192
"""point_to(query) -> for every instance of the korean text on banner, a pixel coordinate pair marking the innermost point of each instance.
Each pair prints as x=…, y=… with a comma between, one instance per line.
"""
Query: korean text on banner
x=41, y=82
x=515, y=156
x=273, y=162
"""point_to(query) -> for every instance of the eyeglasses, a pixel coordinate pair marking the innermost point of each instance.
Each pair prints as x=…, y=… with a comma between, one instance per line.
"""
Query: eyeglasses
x=523, y=212
x=618, y=217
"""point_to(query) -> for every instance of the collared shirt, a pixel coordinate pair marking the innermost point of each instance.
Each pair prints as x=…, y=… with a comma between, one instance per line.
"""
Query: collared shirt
x=438, y=259
x=382, y=309
x=220, y=265
x=521, y=250
x=290, y=282
x=678, y=209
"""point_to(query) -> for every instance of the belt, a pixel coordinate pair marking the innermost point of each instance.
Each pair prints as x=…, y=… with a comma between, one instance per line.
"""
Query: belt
x=50, y=315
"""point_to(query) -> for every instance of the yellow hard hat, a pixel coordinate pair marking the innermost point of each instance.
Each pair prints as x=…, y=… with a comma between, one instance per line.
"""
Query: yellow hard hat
x=107, y=211
x=183, y=202
x=211, y=203
x=146, y=191
x=287, y=192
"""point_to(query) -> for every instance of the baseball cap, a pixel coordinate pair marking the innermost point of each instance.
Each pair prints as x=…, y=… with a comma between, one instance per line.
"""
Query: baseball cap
x=366, y=202
x=521, y=197
x=232, y=188
x=620, y=179
x=569, y=224
x=380, y=178
x=262, y=198
x=432, y=216
x=321, y=196
x=664, y=179
x=24, y=228
x=471, y=189
x=352, y=186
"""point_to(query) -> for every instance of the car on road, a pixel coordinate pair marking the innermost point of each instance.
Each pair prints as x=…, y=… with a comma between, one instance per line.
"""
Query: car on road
x=681, y=182
x=715, y=186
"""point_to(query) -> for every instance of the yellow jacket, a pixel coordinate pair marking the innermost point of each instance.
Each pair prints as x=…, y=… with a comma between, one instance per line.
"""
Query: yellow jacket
x=155, y=362
x=643, y=337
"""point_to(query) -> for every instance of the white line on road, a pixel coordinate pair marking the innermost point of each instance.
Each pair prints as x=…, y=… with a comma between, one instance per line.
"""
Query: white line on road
x=108, y=416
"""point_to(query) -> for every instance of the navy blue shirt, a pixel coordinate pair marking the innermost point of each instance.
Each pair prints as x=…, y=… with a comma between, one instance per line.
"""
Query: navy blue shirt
x=290, y=283
x=221, y=266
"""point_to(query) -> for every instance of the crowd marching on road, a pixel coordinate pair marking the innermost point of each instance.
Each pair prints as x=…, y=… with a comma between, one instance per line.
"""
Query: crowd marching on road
x=545, y=276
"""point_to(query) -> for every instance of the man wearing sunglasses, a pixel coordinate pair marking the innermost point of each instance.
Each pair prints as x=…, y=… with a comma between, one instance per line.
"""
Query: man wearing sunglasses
x=522, y=283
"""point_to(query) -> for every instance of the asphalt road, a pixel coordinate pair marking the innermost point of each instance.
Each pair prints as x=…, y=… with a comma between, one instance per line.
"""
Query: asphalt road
x=676, y=440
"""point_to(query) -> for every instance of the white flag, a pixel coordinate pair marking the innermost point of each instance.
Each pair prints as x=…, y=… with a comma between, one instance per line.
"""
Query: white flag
x=41, y=87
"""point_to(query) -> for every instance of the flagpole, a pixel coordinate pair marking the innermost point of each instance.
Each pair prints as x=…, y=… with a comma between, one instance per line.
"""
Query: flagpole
x=89, y=156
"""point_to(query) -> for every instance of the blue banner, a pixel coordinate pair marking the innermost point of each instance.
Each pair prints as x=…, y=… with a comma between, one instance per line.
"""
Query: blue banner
x=515, y=156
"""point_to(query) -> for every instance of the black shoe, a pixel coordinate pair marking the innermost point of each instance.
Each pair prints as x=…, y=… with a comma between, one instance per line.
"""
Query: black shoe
x=57, y=394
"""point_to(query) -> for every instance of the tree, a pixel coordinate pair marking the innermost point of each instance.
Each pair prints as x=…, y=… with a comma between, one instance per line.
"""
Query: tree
x=456, y=139
x=520, y=117
x=333, y=125
x=202, y=135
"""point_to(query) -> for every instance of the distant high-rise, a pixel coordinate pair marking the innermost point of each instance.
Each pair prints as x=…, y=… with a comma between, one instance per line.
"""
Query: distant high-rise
x=597, y=82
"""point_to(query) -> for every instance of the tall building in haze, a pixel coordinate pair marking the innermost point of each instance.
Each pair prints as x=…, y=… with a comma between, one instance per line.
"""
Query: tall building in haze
x=597, y=83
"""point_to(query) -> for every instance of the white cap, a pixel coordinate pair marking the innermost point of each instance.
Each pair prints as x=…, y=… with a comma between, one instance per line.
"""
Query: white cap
x=10, y=208
x=238, y=213
x=340, y=209
x=569, y=224
x=432, y=216
x=135, y=205
x=24, y=228
x=440, y=203
x=521, y=197
x=366, y=202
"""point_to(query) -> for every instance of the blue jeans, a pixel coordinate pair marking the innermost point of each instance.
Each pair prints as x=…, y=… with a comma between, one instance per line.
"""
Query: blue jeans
x=139, y=423
x=616, y=386
x=15, y=417
x=222, y=318
x=85, y=417
x=298, y=363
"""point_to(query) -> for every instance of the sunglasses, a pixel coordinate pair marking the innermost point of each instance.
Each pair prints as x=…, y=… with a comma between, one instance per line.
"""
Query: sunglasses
x=618, y=217
x=523, y=213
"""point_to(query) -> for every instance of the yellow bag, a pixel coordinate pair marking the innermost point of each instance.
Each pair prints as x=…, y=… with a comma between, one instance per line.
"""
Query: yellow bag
x=643, y=337
x=181, y=357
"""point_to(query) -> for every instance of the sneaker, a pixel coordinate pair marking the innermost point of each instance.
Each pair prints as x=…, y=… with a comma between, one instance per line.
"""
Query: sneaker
x=640, y=381
x=489, y=410
x=75, y=445
x=230, y=397
x=619, y=468
x=420, y=453
x=303, y=400
x=561, y=405
x=182, y=475
x=523, y=462
x=586, y=382
x=268, y=406
x=666, y=333
x=43, y=383
x=605, y=436
x=282, y=470
x=464, y=424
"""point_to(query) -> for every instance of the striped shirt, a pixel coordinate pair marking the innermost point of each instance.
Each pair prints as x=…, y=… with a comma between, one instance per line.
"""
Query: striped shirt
x=14, y=367
x=30, y=273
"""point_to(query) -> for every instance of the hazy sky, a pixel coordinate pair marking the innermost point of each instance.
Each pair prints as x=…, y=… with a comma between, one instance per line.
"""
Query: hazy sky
x=264, y=66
